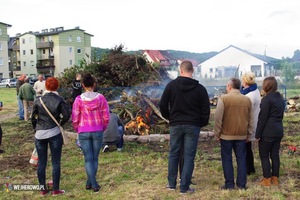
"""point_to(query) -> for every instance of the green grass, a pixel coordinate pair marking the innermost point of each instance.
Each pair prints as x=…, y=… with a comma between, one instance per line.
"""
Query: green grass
x=9, y=98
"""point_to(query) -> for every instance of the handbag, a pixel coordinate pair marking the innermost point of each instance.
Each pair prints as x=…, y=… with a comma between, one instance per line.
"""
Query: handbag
x=65, y=138
x=34, y=159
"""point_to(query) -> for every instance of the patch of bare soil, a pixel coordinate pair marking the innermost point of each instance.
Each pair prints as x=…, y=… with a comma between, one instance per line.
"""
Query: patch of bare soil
x=7, y=116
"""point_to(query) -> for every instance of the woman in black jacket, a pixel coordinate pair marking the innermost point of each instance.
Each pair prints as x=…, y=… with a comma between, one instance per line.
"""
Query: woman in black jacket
x=269, y=131
x=47, y=132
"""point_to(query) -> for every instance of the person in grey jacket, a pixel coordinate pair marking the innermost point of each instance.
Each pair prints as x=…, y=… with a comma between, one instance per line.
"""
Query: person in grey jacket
x=113, y=135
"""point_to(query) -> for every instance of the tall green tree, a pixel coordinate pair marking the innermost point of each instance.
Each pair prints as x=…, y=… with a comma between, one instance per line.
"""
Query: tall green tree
x=288, y=74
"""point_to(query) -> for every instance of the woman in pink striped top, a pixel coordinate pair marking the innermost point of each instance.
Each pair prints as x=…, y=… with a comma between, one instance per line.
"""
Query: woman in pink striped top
x=90, y=118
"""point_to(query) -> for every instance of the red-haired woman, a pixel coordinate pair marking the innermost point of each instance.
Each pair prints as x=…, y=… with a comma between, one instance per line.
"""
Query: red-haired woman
x=47, y=132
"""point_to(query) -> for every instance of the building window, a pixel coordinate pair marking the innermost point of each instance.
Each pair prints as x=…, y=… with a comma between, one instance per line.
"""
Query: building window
x=79, y=51
x=71, y=62
x=1, y=74
x=31, y=51
x=70, y=38
x=1, y=61
x=78, y=62
x=210, y=70
x=23, y=40
x=44, y=51
x=50, y=38
x=43, y=39
x=70, y=50
x=31, y=63
x=78, y=39
x=24, y=52
x=24, y=63
x=0, y=31
x=0, y=45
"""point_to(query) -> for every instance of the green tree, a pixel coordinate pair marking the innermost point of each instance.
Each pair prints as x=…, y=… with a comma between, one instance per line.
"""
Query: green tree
x=288, y=74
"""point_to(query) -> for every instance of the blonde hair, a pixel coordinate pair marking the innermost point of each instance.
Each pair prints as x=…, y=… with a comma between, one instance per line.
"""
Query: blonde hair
x=249, y=78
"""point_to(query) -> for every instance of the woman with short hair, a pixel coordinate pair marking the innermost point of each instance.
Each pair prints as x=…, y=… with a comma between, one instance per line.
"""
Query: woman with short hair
x=269, y=131
x=90, y=117
x=47, y=132
x=249, y=88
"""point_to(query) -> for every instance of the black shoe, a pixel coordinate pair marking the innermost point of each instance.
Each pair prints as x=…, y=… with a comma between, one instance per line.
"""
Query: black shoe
x=224, y=187
x=250, y=172
x=1, y=151
x=88, y=187
x=242, y=188
x=97, y=189
x=188, y=191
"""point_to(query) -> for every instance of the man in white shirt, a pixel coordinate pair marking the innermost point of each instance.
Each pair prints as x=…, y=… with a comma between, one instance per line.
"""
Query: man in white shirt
x=39, y=86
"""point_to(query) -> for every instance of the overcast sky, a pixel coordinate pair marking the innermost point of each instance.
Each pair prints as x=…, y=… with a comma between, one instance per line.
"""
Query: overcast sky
x=188, y=25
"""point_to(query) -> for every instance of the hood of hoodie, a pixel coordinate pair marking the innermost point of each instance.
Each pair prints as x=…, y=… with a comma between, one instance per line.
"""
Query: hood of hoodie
x=90, y=100
x=186, y=84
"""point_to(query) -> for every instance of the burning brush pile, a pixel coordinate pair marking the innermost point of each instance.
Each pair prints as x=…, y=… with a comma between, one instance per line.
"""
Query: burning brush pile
x=140, y=113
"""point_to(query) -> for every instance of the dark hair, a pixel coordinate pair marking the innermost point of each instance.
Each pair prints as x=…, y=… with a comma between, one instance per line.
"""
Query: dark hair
x=186, y=66
x=88, y=80
x=269, y=84
x=234, y=83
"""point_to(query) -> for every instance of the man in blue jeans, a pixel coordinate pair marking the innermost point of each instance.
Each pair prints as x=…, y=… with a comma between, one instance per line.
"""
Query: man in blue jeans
x=233, y=127
x=185, y=104
x=113, y=135
x=19, y=83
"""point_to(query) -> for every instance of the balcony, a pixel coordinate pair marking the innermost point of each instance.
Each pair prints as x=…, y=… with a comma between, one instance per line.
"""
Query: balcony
x=44, y=45
x=16, y=47
x=45, y=57
x=15, y=59
x=16, y=68
x=45, y=68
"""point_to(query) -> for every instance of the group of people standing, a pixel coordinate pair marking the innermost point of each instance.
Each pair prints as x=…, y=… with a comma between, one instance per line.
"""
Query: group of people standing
x=240, y=118
x=91, y=119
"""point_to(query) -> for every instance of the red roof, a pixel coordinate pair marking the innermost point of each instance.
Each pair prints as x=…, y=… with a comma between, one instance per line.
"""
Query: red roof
x=194, y=62
x=156, y=56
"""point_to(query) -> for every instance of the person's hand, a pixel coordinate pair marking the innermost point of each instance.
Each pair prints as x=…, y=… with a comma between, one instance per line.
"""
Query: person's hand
x=0, y=108
x=218, y=139
x=257, y=139
x=247, y=140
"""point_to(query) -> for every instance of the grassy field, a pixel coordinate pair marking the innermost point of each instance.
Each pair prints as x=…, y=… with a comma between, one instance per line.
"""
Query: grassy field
x=9, y=98
x=140, y=171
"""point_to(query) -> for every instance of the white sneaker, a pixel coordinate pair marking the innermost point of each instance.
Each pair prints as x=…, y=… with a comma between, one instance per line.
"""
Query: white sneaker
x=105, y=149
x=119, y=149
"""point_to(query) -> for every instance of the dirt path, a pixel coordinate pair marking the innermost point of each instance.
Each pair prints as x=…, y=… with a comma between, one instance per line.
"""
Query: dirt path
x=7, y=116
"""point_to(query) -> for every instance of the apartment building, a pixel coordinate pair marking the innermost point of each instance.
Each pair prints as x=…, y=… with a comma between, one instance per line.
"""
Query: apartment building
x=50, y=51
x=4, y=59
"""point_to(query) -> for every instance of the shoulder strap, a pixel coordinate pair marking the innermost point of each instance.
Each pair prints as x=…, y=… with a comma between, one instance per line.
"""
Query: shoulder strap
x=42, y=102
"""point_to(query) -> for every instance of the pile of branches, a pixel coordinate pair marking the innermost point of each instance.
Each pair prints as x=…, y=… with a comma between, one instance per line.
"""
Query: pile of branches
x=116, y=69
x=140, y=114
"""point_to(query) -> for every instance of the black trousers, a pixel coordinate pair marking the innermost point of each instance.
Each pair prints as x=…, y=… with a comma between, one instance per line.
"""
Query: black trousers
x=249, y=158
x=0, y=135
x=269, y=148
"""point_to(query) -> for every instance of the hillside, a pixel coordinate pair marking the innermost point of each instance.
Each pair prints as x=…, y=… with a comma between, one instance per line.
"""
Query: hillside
x=200, y=57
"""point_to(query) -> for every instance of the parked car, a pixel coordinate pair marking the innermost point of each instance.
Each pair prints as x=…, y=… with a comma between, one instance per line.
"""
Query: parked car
x=33, y=79
x=9, y=82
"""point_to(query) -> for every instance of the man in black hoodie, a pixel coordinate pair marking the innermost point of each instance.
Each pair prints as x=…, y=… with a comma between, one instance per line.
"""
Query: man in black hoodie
x=185, y=103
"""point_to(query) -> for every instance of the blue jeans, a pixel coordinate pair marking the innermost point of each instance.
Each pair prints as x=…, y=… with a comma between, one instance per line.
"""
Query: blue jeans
x=239, y=148
x=55, y=144
x=21, y=108
x=188, y=135
x=91, y=143
x=118, y=143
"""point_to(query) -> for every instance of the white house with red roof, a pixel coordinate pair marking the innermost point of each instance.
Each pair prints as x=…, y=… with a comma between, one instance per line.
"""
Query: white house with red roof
x=233, y=61
x=154, y=56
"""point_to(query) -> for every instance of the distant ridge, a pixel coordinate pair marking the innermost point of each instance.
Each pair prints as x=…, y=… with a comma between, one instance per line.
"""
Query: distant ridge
x=200, y=57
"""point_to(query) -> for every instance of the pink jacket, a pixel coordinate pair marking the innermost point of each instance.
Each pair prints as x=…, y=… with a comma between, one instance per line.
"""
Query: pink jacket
x=90, y=112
